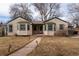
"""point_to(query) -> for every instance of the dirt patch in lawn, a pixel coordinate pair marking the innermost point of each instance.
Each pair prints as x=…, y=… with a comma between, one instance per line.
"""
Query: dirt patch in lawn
x=13, y=43
x=57, y=46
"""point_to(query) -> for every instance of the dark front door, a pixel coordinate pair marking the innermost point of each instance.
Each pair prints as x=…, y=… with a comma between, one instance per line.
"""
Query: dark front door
x=37, y=28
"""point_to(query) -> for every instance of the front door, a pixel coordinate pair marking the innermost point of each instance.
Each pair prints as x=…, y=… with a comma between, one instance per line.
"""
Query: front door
x=37, y=29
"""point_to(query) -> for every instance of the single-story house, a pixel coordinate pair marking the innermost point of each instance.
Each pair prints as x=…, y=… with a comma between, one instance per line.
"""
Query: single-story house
x=76, y=30
x=2, y=33
x=21, y=26
x=70, y=29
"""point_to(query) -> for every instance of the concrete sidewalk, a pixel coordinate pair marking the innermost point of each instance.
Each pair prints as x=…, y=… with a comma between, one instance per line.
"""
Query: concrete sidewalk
x=76, y=36
x=27, y=49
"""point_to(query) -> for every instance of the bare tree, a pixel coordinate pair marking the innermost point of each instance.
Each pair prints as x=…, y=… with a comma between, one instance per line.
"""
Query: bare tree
x=47, y=10
x=54, y=10
x=20, y=9
x=74, y=13
x=14, y=11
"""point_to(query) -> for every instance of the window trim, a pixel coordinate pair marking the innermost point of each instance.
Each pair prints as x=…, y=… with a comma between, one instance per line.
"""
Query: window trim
x=18, y=26
x=61, y=28
x=54, y=26
x=45, y=27
x=21, y=28
x=28, y=27
x=51, y=27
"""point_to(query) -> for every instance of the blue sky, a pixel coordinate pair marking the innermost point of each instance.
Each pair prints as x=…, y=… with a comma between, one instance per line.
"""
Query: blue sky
x=5, y=16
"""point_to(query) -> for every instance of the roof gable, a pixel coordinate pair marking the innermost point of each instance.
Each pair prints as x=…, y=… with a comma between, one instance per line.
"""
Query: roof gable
x=37, y=22
x=17, y=18
x=57, y=19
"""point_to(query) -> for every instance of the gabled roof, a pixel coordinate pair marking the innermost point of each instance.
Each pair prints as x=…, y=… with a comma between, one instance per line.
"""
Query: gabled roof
x=18, y=17
x=56, y=18
x=38, y=22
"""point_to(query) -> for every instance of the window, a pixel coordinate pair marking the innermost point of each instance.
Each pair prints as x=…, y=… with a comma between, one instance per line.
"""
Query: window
x=22, y=27
x=61, y=26
x=45, y=26
x=10, y=28
x=28, y=27
x=50, y=27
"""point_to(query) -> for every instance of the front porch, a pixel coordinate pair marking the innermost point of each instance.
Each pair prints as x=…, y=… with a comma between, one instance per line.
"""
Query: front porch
x=37, y=28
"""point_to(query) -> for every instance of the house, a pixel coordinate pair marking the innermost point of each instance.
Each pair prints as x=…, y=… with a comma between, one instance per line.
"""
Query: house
x=21, y=26
x=55, y=26
x=2, y=29
x=76, y=30
x=70, y=29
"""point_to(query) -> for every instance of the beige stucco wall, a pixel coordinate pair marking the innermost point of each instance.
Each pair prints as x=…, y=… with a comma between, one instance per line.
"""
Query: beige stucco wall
x=16, y=31
x=46, y=32
x=29, y=32
x=49, y=33
x=26, y=32
x=57, y=22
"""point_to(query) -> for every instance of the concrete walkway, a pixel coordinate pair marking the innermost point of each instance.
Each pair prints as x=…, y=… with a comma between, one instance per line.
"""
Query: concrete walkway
x=77, y=36
x=27, y=49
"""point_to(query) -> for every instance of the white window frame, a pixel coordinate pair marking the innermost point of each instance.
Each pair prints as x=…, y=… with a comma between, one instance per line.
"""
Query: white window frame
x=21, y=29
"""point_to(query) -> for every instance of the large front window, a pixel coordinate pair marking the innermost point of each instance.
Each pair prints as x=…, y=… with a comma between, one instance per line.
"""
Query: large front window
x=22, y=27
x=50, y=27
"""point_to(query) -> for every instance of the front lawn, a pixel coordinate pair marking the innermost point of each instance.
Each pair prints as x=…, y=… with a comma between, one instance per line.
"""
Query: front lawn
x=57, y=46
x=13, y=43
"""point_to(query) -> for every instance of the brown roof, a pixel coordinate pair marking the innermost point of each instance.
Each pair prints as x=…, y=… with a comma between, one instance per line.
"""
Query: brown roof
x=23, y=22
x=37, y=22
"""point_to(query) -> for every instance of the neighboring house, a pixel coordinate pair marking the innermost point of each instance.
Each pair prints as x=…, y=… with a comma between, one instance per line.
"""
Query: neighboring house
x=21, y=26
x=70, y=29
x=2, y=33
x=76, y=30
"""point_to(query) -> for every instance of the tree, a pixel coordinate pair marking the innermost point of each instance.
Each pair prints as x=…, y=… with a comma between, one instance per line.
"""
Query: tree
x=74, y=13
x=20, y=9
x=54, y=10
x=47, y=10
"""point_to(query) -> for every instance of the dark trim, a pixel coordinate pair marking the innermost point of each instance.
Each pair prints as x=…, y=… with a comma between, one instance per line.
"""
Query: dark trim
x=16, y=18
x=56, y=18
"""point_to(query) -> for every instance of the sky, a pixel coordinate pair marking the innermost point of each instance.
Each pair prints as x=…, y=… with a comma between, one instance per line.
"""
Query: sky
x=5, y=16
x=4, y=12
x=64, y=11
